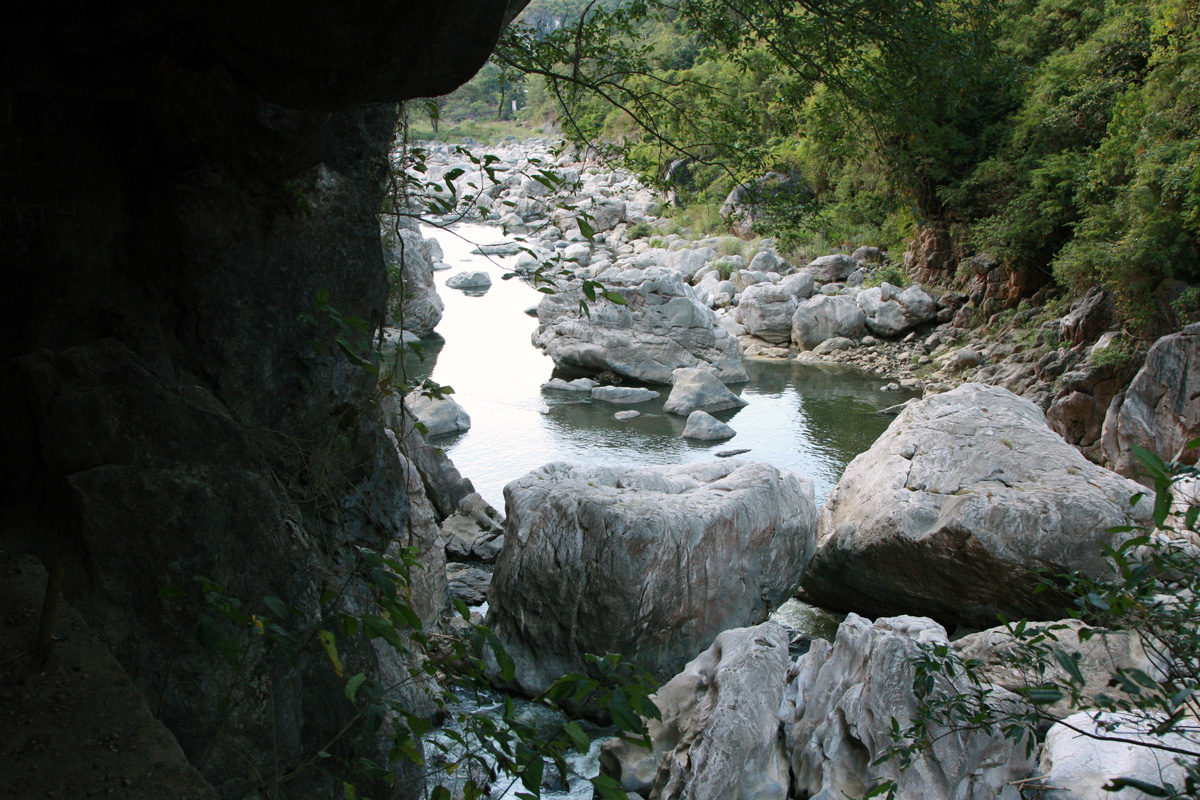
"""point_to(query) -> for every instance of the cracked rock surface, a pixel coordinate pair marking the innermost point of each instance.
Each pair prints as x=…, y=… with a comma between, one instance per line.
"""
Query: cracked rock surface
x=955, y=509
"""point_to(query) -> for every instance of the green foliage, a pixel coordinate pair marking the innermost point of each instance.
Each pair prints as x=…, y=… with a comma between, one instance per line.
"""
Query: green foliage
x=1150, y=591
x=888, y=273
x=481, y=745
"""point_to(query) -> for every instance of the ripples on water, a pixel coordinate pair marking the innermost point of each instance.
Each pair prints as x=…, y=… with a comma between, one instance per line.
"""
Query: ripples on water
x=810, y=419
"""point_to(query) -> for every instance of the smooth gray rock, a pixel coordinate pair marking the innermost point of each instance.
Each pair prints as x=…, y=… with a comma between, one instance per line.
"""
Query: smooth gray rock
x=705, y=427
x=801, y=284
x=469, y=584
x=766, y=310
x=688, y=262
x=650, y=563
x=699, y=389
x=624, y=395
x=767, y=261
x=660, y=328
x=890, y=311
x=578, y=385
x=834, y=345
x=719, y=735
x=1076, y=767
x=579, y=253
x=1159, y=412
x=438, y=415
x=958, y=507
x=469, y=280
x=824, y=317
x=868, y=255
x=831, y=268
x=624, y=416
x=837, y=710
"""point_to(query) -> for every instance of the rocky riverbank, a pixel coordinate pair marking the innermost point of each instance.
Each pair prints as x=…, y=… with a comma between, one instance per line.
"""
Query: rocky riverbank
x=711, y=301
x=976, y=489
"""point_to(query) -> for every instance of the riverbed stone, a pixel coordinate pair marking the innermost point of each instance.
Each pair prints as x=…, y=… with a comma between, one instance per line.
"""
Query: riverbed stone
x=958, y=508
x=469, y=584
x=705, y=427
x=824, y=317
x=469, y=280
x=831, y=268
x=766, y=310
x=661, y=327
x=699, y=389
x=438, y=414
x=411, y=254
x=800, y=284
x=719, y=735
x=890, y=311
x=651, y=563
x=584, y=385
x=625, y=416
x=836, y=713
x=624, y=395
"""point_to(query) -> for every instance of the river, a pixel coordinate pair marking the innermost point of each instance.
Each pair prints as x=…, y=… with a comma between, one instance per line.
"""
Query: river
x=810, y=419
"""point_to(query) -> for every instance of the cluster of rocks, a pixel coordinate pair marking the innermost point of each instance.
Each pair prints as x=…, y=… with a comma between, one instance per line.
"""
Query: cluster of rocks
x=971, y=495
x=954, y=513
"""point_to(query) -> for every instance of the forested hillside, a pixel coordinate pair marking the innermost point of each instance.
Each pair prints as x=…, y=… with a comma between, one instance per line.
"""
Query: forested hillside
x=1058, y=136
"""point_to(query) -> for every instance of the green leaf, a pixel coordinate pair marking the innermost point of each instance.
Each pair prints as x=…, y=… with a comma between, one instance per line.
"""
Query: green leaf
x=608, y=789
x=615, y=298
x=1153, y=790
x=353, y=685
x=587, y=230
x=463, y=610
x=170, y=592
x=440, y=793
x=1071, y=665
x=1043, y=695
x=329, y=645
x=579, y=739
x=531, y=776
x=277, y=606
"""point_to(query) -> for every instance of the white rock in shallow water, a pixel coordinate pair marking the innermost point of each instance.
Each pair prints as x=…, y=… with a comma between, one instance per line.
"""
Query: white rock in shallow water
x=438, y=415
x=699, y=389
x=577, y=385
x=704, y=426
x=622, y=416
x=660, y=327
x=469, y=280
x=623, y=395
x=643, y=562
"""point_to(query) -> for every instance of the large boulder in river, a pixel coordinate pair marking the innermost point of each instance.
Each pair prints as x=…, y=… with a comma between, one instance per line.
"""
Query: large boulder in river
x=825, y=317
x=719, y=735
x=660, y=328
x=838, y=707
x=699, y=389
x=958, y=507
x=651, y=563
x=766, y=310
x=1159, y=412
x=890, y=311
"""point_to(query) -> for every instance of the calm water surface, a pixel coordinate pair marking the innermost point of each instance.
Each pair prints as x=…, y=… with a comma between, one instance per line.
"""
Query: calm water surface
x=807, y=418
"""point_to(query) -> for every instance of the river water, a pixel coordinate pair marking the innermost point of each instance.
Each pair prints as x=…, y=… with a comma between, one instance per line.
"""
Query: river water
x=810, y=419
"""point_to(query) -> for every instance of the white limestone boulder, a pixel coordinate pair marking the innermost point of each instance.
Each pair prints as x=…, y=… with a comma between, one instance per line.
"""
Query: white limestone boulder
x=837, y=714
x=699, y=389
x=660, y=328
x=959, y=506
x=650, y=563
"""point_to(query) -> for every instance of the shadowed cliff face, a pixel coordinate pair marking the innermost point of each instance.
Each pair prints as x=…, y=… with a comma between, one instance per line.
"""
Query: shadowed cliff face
x=177, y=181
